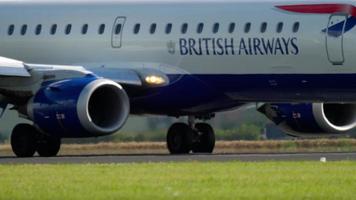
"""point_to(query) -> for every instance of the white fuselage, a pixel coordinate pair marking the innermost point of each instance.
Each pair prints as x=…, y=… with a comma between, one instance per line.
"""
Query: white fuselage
x=301, y=52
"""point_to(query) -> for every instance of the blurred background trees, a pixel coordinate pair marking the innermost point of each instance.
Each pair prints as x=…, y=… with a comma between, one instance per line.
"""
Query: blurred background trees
x=242, y=124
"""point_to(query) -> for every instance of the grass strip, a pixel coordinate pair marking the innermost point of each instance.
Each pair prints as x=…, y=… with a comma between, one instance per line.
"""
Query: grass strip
x=192, y=180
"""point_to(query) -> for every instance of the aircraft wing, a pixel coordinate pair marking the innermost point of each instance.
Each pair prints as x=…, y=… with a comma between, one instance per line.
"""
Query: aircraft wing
x=11, y=67
x=20, y=81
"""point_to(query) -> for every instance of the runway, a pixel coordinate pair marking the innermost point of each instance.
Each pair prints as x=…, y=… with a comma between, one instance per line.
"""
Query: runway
x=180, y=158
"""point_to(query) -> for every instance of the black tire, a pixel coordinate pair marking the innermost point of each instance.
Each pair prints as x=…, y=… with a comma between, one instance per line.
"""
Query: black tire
x=24, y=140
x=206, y=139
x=179, y=139
x=48, y=146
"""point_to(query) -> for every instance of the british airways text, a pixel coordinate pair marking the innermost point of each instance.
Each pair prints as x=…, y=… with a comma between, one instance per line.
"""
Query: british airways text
x=243, y=46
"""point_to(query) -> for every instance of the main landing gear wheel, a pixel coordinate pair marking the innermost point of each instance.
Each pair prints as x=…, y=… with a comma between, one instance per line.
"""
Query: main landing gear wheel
x=180, y=139
x=206, y=139
x=26, y=140
x=23, y=140
x=48, y=146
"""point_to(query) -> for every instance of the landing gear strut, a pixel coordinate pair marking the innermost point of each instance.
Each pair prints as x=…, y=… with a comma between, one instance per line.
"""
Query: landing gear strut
x=26, y=140
x=183, y=138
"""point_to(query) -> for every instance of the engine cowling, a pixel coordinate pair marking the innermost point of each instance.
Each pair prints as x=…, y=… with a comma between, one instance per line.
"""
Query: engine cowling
x=312, y=119
x=80, y=107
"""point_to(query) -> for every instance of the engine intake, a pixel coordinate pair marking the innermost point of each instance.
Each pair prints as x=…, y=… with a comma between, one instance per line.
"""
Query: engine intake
x=312, y=119
x=83, y=107
x=335, y=117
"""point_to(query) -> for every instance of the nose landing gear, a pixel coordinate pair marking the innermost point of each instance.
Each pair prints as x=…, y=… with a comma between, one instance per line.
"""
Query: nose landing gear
x=183, y=138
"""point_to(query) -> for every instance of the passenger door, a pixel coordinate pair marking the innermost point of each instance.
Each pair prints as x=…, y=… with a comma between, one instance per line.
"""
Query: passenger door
x=335, y=38
x=116, y=37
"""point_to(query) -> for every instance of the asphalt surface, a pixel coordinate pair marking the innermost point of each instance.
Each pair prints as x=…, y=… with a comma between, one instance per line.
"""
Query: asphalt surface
x=180, y=158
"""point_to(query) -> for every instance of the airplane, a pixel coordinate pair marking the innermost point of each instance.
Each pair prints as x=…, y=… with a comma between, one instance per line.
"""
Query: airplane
x=78, y=69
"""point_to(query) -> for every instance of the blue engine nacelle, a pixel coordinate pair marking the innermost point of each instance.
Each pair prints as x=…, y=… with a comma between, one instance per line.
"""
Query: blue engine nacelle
x=312, y=119
x=80, y=107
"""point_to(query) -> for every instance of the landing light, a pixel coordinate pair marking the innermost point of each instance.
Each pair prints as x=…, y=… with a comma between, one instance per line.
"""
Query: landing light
x=155, y=80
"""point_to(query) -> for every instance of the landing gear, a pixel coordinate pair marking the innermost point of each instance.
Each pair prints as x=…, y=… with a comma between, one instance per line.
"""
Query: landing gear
x=206, y=139
x=26, y=140
x=23, y=140
x=183, y=138
x=48, y=146
x=179, y=139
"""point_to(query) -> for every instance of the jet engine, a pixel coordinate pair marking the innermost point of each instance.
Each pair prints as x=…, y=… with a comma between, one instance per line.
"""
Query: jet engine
x=80, y=107
x=312, y=119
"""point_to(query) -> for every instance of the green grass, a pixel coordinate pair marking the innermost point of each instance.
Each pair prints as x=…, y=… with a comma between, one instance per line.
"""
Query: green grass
x=195, y=180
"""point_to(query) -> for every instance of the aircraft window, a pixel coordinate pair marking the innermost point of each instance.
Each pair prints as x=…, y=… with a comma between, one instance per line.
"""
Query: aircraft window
x=247, y=27
x=263, y=27
x=38, y=29
x=296, y=27
x=68, y=29
x=169, y=28
x=137, y=28
x=184, y=28
x=54, y=29
x=101, y=29
x=85, y=29
x=200, y=28
x=11, y=29
x=232, y=27
x=216, y=28
x=23, y=29
x=153, y=28
x=118, y=29
x=279, y=27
